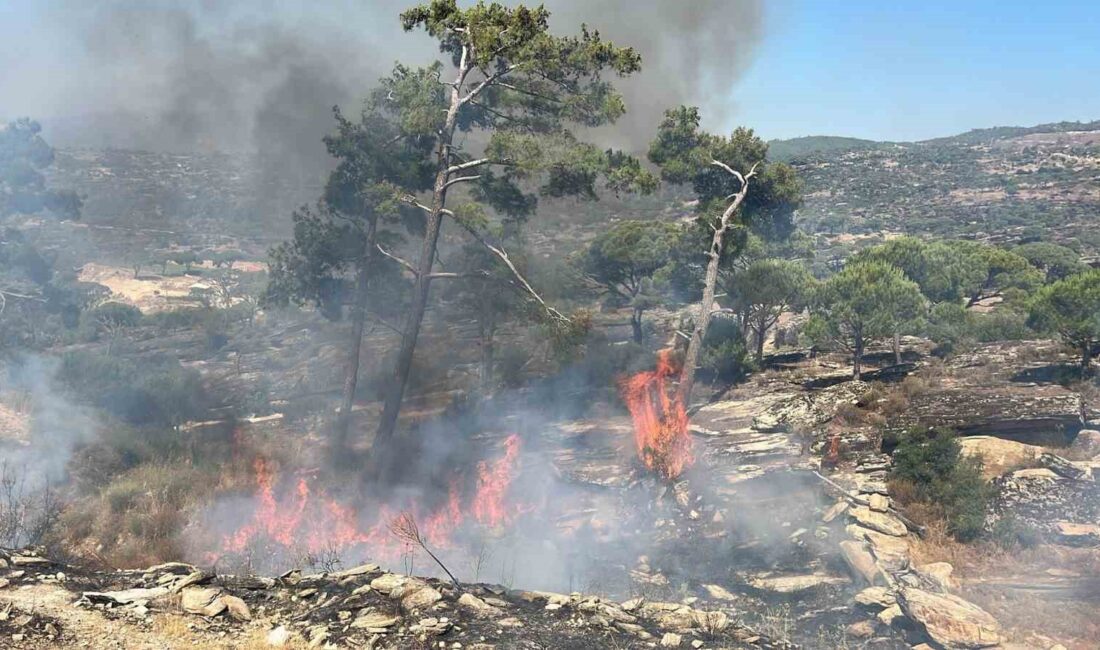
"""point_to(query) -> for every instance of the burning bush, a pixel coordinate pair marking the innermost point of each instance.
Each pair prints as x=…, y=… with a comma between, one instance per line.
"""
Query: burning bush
x=660, y=419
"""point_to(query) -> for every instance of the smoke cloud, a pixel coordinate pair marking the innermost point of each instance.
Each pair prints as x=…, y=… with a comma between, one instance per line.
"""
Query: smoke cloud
x=261, y=76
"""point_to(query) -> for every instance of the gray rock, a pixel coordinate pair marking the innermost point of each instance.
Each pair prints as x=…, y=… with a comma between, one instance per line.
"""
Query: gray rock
x=950, y=621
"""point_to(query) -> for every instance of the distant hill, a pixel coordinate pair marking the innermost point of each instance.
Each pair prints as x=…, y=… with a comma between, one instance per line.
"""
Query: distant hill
x=999, y=184
x=794, y=148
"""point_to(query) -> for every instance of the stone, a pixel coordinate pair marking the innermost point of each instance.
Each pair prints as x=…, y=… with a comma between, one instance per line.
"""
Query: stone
x=889, y=615
x=125, y=597
x=202, y=600
x=796, y=584
x=938, y=574
x=361, y=570
x=4, y=582
x=420, y=598
x=1077, y=534
x=29, y=560
x=236, y=608
x=876, y=597
x=372, y=621
x=881, y=521
x=388, y=582
x=1087, y=443
x=878, y=503
x=891, y=552
x=861, y=563
x=635, y=603
x=510, y=622
x=837, y=509
x=716, y=592
x=671, y=640
x=697, y=644
x=861, y=630
x=278, y=637
x=476, y=605
x=950, y=621
x=997, y=454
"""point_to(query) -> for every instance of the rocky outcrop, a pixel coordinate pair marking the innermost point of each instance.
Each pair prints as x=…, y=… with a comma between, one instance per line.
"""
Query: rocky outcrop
x=809, y=409
x=1041, y=500
x=949, y=620
x=1037, y=415
x=999, y=455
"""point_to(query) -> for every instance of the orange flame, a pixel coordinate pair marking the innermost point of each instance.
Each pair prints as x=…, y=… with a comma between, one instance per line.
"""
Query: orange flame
x=311, y=520
x=660, y=420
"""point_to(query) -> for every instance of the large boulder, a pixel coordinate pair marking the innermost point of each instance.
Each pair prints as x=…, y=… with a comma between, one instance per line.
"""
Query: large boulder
x=883, y=522
x=950, y=621
x=861, y=563
x=999, y=455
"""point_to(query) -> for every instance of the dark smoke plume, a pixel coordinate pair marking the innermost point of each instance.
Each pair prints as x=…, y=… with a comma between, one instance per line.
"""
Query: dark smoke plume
x=261, y=76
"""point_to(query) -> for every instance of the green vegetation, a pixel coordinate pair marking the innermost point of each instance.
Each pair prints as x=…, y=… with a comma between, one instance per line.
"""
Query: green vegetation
x=764, y=290
x=1071, y=308
x=623, y=261
x=929, y=468
x=863, y=302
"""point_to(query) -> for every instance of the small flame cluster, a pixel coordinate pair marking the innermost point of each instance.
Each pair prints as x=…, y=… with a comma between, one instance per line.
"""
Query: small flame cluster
x=660, y=419
x=304, y=518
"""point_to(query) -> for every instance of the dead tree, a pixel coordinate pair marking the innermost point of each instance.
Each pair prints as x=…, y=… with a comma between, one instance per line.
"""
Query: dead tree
x=707, y=308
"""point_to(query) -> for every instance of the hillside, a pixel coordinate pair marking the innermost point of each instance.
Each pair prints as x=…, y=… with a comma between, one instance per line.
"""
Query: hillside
x=1001, y=184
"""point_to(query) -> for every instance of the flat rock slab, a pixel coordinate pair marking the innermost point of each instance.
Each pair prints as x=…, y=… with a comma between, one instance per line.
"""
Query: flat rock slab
x=796, y=584
x=950, y=621
x=883, y=522
x=125, y=597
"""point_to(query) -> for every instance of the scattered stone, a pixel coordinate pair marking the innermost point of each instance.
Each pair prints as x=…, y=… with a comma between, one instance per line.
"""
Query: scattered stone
x=204, y=601
x=796, y=584
x=510, y=622
x=1087, y=443
x=237, y=608
x=889, y=615
x=880, y=521
x=671, y=640
x=4, y=582
x=124, y=597
x=861, y=630
x=949, y=620
x=878, y=503
x=278, y=637
x=1077, y=534
x=938, y=574
x=29, y=560
x=716, y=592
x=861, y=563
x=476, y=605
x=375, y=621
x=879, y=597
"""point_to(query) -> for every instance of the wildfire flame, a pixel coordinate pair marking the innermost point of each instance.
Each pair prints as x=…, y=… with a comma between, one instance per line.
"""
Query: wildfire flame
x=660, y=419
x=306, y=519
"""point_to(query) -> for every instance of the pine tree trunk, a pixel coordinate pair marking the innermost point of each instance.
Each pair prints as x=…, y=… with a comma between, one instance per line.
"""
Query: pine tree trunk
x=897, y=349
x=636, y=325
x=1086, y=356
x=392, y=409
x=355, y=343
x=857, y=356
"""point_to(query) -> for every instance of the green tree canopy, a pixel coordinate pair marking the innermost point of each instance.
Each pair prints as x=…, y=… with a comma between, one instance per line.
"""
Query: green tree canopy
x=764, y=290
x=1057, y=262
x=520, y=88
x=863, y=302
x=623, y=261
x=1071, y=307
x=738, y=192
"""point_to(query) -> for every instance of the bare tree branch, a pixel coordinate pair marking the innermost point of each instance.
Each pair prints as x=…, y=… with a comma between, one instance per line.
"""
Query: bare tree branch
x=405, y=263
x=403, y=526
x=461, y=179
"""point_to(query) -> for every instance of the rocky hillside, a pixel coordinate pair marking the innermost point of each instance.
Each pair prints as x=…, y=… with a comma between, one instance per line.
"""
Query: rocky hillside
x=1001, y=184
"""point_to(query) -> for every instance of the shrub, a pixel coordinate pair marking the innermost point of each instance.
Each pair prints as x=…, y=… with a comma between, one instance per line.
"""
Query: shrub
x=724, y=356
x=931, y=464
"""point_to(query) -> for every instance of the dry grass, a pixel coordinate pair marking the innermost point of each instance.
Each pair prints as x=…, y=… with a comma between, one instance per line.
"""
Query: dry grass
x=986, y=573
x=178, y=631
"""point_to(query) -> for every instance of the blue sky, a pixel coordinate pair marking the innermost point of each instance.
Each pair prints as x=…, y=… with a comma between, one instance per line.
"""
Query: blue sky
x=910, y=70
x=882, y=69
